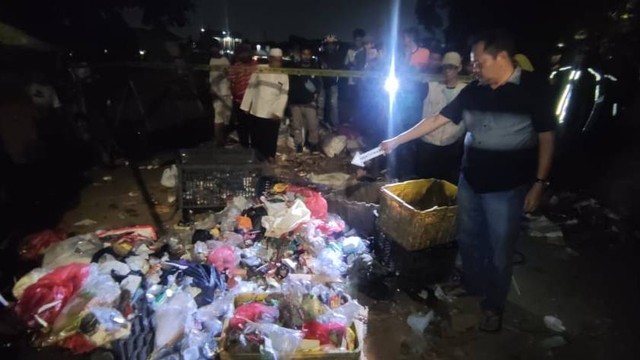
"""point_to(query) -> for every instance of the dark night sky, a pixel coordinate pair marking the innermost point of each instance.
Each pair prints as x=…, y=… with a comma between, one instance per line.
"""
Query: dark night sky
x=261, y=20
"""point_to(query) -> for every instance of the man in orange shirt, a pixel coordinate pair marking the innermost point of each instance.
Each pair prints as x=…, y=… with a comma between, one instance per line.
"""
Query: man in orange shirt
x=417, y=57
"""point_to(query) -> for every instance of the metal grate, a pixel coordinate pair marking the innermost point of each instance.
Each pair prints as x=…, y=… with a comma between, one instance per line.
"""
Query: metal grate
x=210, y=186
x=214, y=155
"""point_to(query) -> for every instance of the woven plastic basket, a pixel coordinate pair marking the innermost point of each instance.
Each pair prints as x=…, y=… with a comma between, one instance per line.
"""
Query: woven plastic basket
x=418, y=214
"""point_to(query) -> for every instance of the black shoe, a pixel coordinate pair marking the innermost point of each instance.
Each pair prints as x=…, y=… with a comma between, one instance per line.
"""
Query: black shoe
x=299, y=149
x=314, y=149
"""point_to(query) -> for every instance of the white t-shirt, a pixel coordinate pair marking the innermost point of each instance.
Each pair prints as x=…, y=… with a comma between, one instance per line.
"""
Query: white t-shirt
x=439, y=96
x=267, y=95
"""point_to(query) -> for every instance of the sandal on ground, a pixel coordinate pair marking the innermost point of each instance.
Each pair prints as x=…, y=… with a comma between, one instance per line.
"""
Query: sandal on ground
x=492, y=323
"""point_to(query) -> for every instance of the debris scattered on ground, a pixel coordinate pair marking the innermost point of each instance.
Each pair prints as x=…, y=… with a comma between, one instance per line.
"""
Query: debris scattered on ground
x=553, y=342
x=542, y=227
x=133, y=194
x=553, y=323
x=336, y=181
x=107, y=178
x=441, y=295
x=419, y=322
x=85, y=222
x=169, y=177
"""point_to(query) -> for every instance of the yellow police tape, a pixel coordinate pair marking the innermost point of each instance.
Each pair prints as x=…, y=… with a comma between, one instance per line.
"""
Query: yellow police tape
x=291, y=71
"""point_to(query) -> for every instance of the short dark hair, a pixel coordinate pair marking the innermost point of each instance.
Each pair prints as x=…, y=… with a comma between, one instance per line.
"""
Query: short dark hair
x=411, y=32
x=496, y=41
x=359, y=33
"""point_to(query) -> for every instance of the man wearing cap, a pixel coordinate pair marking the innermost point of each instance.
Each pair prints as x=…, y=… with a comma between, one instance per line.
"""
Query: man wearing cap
x=265, y=100
x=440, y=152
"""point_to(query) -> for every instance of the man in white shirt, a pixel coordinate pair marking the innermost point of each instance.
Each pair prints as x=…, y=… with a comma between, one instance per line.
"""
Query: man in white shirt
x=265, y=100
x=220, y=92
x=440, y=152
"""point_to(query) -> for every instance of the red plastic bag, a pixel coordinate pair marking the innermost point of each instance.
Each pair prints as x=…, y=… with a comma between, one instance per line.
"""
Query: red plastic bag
x=313, y=200
x=36, y=244
x=327, y=334
x=254, y=312
x=78, y=344
x=223, y=257
x=49, y=295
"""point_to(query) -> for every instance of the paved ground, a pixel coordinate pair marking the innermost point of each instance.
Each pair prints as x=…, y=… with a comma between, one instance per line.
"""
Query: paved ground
x=594, y=292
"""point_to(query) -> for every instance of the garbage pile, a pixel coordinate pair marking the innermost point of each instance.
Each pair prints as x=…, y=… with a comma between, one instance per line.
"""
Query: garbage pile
x=263, y=276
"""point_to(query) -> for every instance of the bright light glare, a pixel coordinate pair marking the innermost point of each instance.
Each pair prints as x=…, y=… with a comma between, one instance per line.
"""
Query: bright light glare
x=595, y=73
x=201, y=29
x=614, y=109
x=561, y=109
x=142, y=52
x=391, y=85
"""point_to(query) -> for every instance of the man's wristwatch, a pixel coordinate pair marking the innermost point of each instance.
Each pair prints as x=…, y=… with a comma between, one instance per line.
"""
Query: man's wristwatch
x=544, y=182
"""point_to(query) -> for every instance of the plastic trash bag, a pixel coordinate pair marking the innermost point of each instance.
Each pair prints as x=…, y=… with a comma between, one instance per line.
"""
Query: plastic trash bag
x=253, y=312
x=419, y=322
x=169, y=177
x=27, y=280
x=353, y=245
x=42, y=302
x=36, y=244
x=77, y=249
x=313, y=200
x=329, y=263
x=223, y=257
x=329, y=333
x=204, y=277
x=131, y=234
x=334, y=145
x=281, y=343
x=100, y=326
x=172, y=317
x=99, y=290
x=279, y=225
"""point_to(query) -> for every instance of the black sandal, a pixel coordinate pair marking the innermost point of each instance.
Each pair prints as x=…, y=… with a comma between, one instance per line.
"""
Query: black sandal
x=492, y=323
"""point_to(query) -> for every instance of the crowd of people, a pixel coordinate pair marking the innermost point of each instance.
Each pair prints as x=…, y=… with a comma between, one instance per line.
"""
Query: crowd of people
x=254, y=104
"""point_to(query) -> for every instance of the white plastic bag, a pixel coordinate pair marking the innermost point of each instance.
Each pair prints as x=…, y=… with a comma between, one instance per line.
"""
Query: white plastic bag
x=169, y=177
x=78, y=249
x=172, y=318
x=334, y=145
x=278, y=222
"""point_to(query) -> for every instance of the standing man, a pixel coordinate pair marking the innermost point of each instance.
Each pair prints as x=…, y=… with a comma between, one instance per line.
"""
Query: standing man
x=440, y=152
x=220, y=92
x=265, y=100
x=303, y=102
x=408, y=104
x=508, y=152
x=331, y=58
x=239, y=75
x=416, y=56
x=355, y=60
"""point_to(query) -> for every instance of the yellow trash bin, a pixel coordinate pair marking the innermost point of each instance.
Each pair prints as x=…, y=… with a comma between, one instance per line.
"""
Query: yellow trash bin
x=418, y=214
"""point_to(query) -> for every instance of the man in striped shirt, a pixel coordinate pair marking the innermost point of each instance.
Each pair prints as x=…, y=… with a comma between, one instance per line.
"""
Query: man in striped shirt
x=509, y=147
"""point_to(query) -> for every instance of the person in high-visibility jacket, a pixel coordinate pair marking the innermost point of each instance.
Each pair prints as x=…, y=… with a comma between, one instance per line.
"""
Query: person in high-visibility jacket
x=265, y=100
